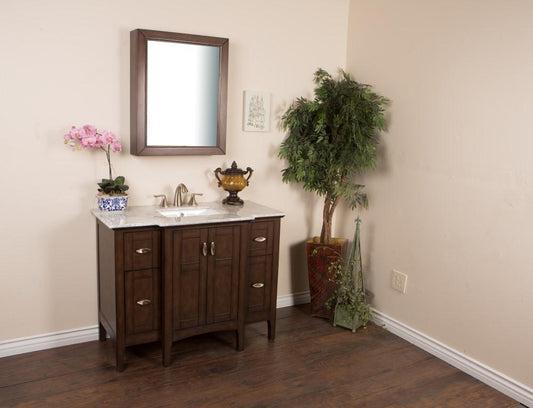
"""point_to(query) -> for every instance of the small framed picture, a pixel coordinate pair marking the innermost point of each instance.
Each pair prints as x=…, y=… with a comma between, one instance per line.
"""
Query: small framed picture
x=256, y=111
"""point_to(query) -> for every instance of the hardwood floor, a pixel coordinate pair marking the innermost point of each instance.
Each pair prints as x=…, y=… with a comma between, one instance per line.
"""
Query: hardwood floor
x=310, y=364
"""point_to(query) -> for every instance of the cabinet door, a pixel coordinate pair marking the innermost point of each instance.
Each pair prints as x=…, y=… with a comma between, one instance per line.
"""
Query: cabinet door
x=142, y=301
x=189, y=265
x=223, y=274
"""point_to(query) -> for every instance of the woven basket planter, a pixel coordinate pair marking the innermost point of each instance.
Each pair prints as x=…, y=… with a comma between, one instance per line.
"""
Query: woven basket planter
x=319, y=258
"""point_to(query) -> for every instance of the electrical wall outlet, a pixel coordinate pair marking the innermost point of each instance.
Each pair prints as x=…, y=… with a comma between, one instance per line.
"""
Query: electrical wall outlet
x=399, y=281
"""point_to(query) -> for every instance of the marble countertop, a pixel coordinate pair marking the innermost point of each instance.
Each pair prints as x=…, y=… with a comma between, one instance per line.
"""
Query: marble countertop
x=204, y=213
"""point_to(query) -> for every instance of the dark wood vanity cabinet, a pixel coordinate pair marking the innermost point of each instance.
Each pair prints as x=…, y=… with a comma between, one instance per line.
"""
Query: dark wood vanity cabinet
x=166, y=284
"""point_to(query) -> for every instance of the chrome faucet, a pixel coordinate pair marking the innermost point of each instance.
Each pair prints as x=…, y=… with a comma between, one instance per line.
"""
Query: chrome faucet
x=180, y=194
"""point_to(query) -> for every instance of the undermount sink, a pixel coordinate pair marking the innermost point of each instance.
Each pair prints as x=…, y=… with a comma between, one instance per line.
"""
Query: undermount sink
x=188, y=212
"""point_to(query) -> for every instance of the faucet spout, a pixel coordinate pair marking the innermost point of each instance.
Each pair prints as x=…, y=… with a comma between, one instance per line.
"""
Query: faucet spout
x=179, y=194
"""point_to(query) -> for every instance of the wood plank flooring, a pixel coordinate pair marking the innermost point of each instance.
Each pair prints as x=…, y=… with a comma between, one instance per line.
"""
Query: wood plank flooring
x=310, y=364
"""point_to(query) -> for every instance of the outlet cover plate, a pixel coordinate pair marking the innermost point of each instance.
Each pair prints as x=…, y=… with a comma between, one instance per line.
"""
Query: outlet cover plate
x=399, y=281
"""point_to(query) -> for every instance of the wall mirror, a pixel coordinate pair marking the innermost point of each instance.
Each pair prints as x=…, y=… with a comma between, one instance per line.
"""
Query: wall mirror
x=178, y=92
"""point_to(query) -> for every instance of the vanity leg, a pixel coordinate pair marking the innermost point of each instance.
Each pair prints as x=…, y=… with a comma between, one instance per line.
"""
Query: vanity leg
x=167, y=350
x=272, y=327
x=239, y=336
x=119, y=357
x=102, y=335
x=120, y=352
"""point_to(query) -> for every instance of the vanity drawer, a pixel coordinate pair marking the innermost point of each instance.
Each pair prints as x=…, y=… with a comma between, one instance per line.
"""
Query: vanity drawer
x=142, y=303
x=141, y=250
x=261, y=237
x=259, y=284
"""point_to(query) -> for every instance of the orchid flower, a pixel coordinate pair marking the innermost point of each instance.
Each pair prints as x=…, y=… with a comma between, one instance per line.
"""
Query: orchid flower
x=88, y=137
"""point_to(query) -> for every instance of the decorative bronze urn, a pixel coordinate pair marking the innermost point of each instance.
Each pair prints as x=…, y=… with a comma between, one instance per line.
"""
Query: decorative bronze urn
x=233, y=181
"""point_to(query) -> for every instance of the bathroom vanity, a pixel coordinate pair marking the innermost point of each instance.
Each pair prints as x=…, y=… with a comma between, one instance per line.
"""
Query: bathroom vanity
x=167, y=274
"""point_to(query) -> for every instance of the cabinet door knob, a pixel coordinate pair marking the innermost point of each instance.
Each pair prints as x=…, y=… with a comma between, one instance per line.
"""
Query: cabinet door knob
x=213, y=248
x=258, y=285
x=144, y=302
x=143, y=250
x=260, y=239
x=204, y=248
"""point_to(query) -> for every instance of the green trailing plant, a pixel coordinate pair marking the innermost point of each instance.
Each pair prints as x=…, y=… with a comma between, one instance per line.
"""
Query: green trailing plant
x=349, y=283
x=331, y=139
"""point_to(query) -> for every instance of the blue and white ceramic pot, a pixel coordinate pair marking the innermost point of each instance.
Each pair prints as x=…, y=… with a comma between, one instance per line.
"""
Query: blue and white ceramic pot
x=112, y=203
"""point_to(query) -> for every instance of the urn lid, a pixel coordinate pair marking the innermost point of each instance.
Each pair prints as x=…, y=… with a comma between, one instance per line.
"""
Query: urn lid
x=234, y=170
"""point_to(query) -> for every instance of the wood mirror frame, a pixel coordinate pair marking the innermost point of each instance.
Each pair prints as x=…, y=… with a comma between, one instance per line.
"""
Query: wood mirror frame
x=139, y=90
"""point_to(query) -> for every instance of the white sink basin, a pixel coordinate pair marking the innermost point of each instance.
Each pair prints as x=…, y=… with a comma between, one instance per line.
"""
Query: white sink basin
x=188, y=212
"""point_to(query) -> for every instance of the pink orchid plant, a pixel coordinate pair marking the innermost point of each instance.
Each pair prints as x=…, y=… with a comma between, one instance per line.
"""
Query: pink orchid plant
x=88, y=137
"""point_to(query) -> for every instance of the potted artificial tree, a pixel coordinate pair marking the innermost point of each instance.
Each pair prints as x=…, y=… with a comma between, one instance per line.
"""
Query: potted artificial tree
x=330, y=140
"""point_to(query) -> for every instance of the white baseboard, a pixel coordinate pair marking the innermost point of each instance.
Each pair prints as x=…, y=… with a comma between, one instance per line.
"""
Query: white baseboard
x=47, y=341
x=487, y=375
x=293, y=299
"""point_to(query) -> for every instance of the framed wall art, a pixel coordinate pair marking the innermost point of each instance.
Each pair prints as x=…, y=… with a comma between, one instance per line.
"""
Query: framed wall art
x=256, y=116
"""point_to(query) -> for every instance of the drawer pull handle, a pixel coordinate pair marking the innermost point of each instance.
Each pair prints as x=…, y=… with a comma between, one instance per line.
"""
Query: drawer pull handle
x=144, y=302
x=213, y=248
x=204, y=248
x=143, y=250
x=260, y=239
x=258, y=285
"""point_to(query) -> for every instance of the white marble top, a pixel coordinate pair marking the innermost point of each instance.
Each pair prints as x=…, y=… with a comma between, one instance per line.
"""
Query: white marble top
x=142, y=216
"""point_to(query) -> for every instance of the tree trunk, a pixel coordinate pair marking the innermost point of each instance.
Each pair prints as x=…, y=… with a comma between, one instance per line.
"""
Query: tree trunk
x=330, y=204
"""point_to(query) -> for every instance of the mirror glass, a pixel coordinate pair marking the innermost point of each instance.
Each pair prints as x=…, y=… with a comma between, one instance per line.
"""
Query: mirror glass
x=178, y=92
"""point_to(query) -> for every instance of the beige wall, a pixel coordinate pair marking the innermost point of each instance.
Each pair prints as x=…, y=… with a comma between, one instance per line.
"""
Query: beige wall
x=66, y=63
x=452, y=198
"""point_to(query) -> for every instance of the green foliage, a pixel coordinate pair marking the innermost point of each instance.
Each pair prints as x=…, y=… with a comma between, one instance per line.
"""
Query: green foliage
x=348, y=295
x=113, y=187
x=333, y=137
x=350, y=289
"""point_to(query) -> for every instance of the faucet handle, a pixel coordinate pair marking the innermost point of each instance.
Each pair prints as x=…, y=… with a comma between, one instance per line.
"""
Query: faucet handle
x=163, y=197
x=192, y=200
